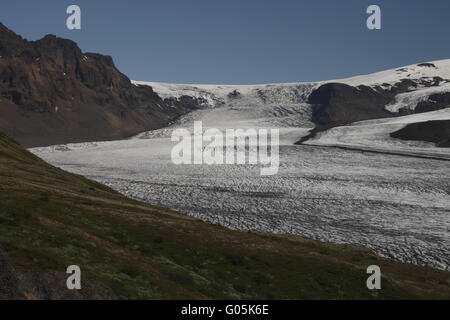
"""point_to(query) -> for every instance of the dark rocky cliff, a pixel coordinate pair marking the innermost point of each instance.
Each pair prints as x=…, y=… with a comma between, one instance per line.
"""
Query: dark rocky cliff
x=336, y=104
x=51, y=92
x=437, y=131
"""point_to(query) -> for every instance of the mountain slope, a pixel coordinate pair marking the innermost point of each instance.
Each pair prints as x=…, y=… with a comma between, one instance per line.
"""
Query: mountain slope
x=50, y=219
x=436, y=131
x=51, y=92
x=298, y=107
x=410, y=135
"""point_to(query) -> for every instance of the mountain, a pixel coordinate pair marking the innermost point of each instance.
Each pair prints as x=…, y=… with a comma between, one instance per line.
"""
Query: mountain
x=412, y=89
x=50, y=219
x=51, y=92
x=312, y=111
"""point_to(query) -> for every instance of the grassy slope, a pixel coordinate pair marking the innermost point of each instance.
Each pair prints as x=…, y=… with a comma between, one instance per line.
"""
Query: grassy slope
x=50, y=219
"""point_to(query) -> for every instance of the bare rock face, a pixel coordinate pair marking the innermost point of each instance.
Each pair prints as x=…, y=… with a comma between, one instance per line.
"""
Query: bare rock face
x=437, y=131
x=434, y=102
x=337, y=104
x=51, y=92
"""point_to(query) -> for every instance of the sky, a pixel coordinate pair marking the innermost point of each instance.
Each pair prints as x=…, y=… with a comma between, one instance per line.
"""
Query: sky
x=243, y=41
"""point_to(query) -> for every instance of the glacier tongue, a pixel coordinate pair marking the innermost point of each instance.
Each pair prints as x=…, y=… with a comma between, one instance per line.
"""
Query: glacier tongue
x=397, y=206
x=282, y=106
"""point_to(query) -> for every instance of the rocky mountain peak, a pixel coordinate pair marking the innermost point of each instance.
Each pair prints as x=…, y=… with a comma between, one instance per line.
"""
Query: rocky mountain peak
x=51, y=92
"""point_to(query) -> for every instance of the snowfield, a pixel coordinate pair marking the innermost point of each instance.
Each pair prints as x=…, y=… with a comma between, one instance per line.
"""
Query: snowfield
x=373, y=135
x=439, y=68
x=397, y=206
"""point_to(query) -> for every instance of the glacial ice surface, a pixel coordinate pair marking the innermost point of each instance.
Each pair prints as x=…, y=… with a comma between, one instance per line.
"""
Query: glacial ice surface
x=397, y=206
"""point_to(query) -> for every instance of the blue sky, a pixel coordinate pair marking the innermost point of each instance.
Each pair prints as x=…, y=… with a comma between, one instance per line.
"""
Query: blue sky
x=245, y=41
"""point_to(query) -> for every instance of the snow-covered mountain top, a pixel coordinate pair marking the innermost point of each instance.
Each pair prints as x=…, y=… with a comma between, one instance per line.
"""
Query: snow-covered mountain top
x=286, y=105
x=440, y=68
x=167, y=90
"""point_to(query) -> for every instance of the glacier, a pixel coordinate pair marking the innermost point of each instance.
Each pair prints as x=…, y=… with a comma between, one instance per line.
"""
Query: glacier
x=352, y=184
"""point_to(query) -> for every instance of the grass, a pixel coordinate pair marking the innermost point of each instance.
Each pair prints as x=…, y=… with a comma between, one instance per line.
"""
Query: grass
x=50, y=219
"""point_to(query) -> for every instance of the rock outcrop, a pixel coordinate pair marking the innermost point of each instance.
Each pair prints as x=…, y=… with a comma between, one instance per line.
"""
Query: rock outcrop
x=51, y=92
x=437, y=131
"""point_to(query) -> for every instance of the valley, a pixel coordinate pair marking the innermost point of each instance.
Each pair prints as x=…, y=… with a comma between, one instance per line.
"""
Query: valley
x=357, y=179
x=394, y=201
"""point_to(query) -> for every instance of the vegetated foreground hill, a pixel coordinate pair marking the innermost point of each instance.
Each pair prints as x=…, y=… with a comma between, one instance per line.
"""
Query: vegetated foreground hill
x=50, y=219
x=51, y=92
